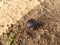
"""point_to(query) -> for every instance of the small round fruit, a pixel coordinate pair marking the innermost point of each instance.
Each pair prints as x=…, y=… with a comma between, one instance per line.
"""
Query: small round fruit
x=32, y=24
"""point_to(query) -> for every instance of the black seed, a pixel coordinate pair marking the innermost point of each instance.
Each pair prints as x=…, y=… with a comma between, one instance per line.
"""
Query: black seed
x=32, y=24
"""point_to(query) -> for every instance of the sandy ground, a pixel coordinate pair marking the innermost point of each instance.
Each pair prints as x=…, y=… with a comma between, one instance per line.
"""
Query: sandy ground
x=46, y=11
x=13, y=10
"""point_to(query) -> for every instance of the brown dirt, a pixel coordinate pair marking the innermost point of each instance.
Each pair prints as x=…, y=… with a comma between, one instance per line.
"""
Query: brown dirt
x=49, y=34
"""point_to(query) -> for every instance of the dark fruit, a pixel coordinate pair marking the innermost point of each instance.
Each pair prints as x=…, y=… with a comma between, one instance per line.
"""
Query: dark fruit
x=32, y=24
